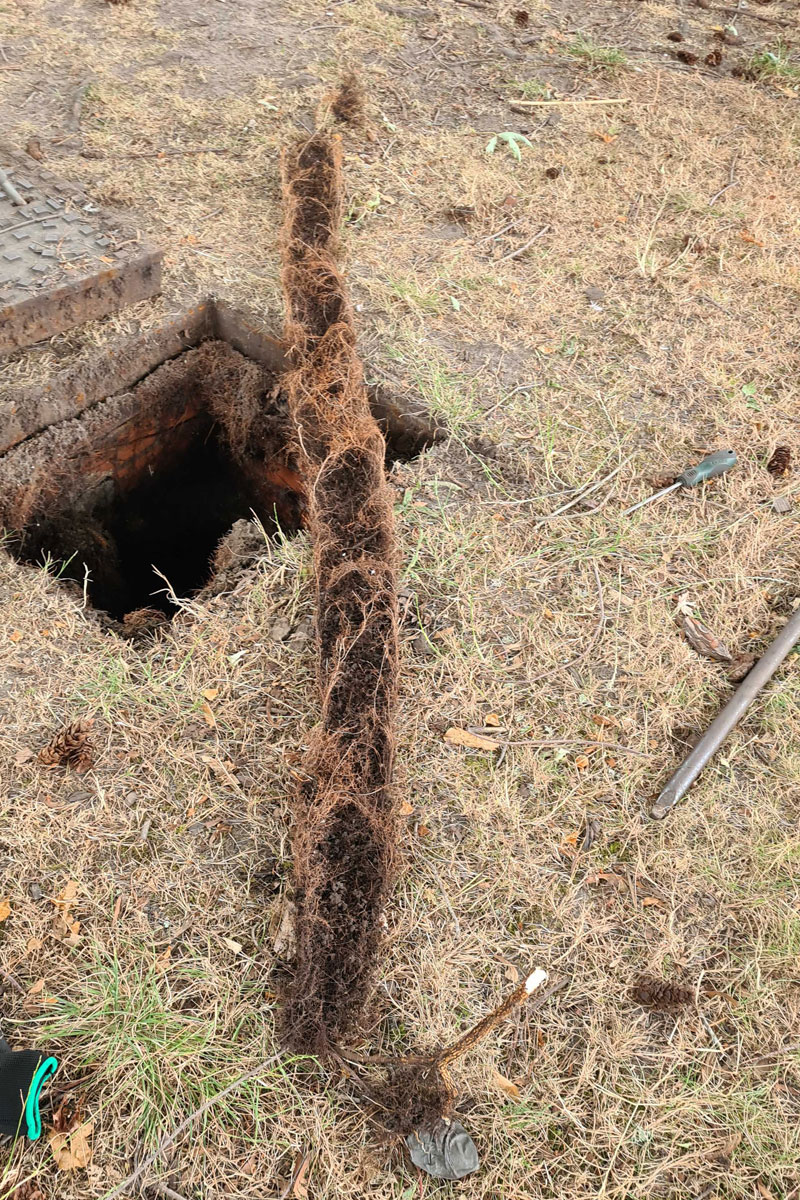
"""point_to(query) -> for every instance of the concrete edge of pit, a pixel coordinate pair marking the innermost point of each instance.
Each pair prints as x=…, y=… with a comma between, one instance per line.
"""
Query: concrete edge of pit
x=126, y=361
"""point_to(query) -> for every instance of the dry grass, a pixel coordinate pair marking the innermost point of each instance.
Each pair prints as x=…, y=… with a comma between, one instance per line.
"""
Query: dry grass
x=691, y=346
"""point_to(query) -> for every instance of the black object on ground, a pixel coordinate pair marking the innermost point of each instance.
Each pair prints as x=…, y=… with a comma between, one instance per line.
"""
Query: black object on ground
x=23, y=1074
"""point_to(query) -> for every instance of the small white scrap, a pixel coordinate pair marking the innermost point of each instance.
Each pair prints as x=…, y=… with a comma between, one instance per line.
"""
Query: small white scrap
x=535, y=980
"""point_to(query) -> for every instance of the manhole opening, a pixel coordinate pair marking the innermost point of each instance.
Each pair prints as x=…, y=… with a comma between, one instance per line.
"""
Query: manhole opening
x=152, y=478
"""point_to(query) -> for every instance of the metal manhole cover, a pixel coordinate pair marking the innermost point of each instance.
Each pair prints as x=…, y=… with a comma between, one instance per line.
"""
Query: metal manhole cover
x=61, y=261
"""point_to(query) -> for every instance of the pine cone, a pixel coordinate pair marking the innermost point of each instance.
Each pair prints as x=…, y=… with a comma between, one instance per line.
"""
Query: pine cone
x=70, y=747
x=657, y=993
x=781, y=461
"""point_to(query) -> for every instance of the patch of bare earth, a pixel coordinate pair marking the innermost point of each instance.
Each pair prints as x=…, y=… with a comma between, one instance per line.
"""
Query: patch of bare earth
x=621, y=295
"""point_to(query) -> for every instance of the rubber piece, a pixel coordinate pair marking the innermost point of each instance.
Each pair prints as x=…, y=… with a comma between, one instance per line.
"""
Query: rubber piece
x=708, y=468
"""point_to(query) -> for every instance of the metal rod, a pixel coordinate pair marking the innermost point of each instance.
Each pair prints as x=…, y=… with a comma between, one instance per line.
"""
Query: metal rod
x=731, y=714
x=7, y=186
x=650, y=499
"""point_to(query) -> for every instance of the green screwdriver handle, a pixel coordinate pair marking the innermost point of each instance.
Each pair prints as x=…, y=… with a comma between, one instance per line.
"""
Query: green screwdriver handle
x=714, y=464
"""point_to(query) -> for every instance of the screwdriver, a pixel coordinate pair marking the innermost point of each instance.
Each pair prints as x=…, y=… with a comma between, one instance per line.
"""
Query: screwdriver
x=708, y=468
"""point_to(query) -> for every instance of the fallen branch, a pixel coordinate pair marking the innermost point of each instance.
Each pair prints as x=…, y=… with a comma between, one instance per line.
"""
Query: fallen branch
x=163, y=1189
x=172, y=153
x=570, y=103
x=584, y=653
x=302, y=1163
x=12, y=981
x=582, y=494
x=732, y=182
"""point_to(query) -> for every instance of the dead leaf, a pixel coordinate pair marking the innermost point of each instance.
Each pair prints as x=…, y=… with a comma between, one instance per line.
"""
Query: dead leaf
x=604, y=721
x=607, y=877
x=581, y=762
x=284, y=943
x=68, y=1114
x=473, y=741
x=423, y=831
x=33, y=944
x=406, y=809
x=506, y=1085
x=650, y=901
x=746, y=236
x=491, y=719
x=23, y=756
x=208, y=715
x=234, y=946
x=73, y=1151
x=511, y=973
x=5, y=909
x=763, y=1191
x=36, y=988
x=701, y=639
x=211, y=693
x=66, y=898
x=299, y=1174
x=72, y=935
x=16, y=635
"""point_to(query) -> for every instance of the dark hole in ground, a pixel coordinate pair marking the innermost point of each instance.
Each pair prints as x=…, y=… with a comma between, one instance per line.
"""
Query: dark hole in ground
x=159, y=474
x=172, y=520
x=155, y=477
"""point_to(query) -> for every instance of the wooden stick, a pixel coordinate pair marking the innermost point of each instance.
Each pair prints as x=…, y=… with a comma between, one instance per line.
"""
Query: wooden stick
x=521, y=249
x=169, y=153
x=163, y=1189
x=587, y=491
x=478, y=1032
x=12, y=981
x=562, y=103
x=302, y=1163
x=22, y=224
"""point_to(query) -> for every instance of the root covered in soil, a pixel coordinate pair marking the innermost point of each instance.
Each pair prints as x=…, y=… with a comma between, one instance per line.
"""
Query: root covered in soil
x=344, y=831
